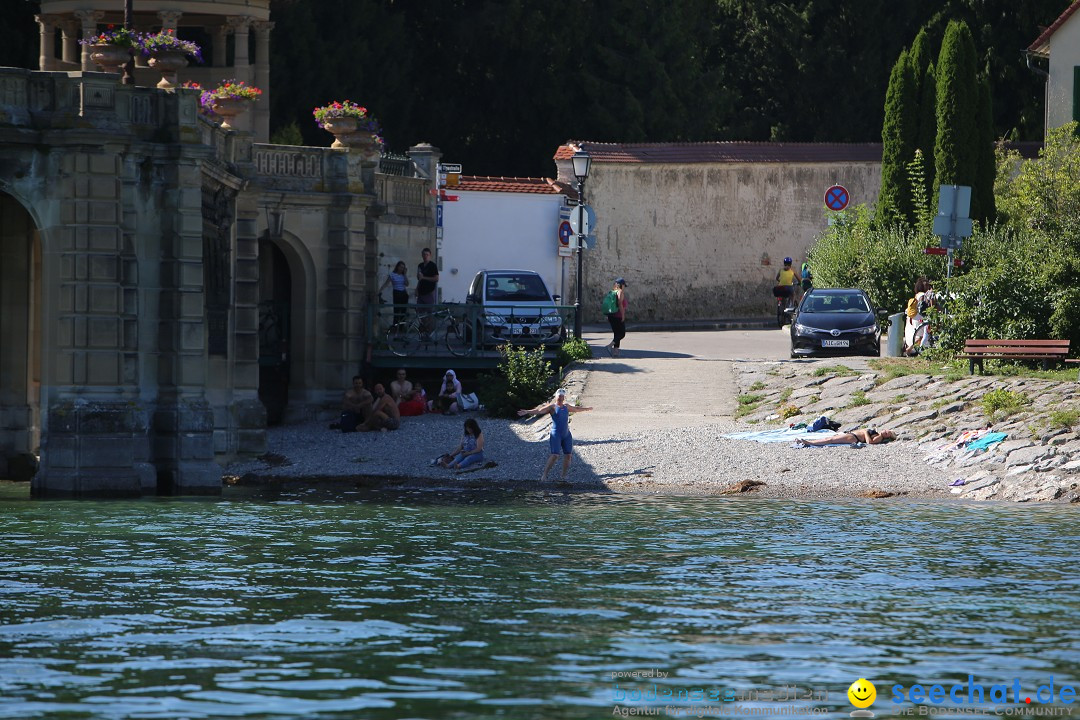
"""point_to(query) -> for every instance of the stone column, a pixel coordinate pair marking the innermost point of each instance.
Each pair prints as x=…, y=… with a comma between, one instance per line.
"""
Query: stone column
x=89, y=20
x=262, y=80
x=239, y=25
x=70, y=30
x=169, y=19
x=47, y=53
x=221, y=32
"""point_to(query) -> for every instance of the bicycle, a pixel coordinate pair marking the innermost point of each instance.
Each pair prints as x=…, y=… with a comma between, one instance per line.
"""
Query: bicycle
x=782, y=303
x=405, y=338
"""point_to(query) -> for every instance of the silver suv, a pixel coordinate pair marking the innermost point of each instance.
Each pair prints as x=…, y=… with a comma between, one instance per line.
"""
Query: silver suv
x=516, y=307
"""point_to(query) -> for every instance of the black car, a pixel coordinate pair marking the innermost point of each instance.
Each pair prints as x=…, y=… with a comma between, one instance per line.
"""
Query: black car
x=833, y=321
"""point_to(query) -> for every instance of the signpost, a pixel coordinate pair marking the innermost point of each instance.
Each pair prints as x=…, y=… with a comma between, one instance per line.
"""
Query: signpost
x=952, y=223
x=836, y=198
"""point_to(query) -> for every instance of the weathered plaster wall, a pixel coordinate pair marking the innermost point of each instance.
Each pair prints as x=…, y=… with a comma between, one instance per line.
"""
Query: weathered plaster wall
x=705, y=241
x=1064, y=57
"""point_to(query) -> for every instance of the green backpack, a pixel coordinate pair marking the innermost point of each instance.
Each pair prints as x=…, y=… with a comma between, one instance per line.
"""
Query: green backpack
x=611, y=303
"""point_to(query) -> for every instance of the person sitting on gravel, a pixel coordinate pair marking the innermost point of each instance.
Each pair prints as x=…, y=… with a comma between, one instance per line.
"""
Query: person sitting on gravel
x=414, y=404
x=469, y=451
x=355, y=407
x=448, y=401
x=400, y=387
x=385, y=414
x=855, y=437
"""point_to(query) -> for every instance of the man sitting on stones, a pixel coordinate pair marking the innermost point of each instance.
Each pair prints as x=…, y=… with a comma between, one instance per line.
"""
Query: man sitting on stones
x=355, y=406
x=384, y=415
x=400, y=387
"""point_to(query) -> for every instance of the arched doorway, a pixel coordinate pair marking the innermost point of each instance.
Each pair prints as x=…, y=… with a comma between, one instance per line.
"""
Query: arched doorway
x=275, y=329
x=20, y=347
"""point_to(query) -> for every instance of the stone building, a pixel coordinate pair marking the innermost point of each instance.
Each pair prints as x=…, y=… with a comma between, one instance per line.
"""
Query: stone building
x=168, y=287
x=699, y=230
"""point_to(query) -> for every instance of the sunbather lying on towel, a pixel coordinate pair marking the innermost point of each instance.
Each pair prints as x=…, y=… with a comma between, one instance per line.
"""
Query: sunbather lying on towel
x=870, y=437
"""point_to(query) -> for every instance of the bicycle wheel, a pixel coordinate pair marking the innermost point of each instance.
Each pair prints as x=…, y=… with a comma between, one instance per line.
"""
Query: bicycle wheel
x=457, y=338
x=403, y=338
x=780, y=312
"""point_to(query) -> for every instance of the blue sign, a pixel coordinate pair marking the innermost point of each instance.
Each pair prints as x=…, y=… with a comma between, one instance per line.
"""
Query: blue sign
x=836, y=198
x=438, y=214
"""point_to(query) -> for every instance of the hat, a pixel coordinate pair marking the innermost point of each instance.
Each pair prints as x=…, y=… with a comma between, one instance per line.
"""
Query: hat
x=560, y=393
x=620, y=281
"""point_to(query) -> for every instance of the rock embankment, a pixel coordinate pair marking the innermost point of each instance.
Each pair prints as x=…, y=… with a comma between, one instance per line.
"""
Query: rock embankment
x=1039, y=459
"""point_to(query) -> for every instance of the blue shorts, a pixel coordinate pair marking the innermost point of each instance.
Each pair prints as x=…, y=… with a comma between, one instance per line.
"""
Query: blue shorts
x=565, y=443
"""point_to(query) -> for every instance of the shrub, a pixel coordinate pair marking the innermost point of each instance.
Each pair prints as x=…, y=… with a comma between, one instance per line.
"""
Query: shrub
x=789, y=411
x=526, y=377
x=1002, y=403
x=1064, y=418
x=858, y=399
x=576, y=349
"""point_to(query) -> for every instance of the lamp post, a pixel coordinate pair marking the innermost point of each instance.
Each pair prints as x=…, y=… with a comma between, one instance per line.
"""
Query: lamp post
x=581, y=160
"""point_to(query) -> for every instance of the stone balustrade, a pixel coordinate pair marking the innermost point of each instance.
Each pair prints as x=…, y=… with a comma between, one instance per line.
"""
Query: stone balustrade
x=403, y=196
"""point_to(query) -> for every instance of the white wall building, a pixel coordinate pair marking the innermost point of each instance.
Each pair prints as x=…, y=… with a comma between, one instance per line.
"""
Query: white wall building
x=497, y=223
x=1060, y=44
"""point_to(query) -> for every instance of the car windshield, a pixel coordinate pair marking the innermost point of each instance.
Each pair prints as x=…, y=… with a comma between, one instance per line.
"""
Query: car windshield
x=846, y=303
x=516, y=287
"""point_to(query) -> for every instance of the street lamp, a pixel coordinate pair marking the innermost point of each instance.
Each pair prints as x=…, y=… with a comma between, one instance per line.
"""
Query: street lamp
x=581, y=160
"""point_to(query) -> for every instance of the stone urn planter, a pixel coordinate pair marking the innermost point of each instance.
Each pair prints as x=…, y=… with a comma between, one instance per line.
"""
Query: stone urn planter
x=111, y=58
x=228, y=108
x=168, y=62
x=365, y=144
x=342, y=128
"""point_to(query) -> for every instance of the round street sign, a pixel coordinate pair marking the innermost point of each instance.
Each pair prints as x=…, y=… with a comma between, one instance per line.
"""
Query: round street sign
x=565, y=231
x=590, y=220
x=836, y=197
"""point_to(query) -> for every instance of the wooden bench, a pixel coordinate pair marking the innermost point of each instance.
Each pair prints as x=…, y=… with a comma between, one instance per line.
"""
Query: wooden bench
x=975, y=351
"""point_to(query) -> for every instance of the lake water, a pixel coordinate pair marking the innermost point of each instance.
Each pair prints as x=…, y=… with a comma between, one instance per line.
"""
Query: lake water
x=334, y=604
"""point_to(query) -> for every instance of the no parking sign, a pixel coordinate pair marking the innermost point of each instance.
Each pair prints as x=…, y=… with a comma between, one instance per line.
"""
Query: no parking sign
x=836, y=198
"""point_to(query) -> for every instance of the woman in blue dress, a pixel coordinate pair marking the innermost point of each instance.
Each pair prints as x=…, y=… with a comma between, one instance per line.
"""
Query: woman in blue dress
x=561, y=441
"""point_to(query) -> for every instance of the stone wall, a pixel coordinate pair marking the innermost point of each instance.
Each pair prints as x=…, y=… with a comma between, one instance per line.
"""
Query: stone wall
x=705, y=240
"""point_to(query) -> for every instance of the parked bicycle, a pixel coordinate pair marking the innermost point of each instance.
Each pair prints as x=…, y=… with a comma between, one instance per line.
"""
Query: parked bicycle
x=405, y=338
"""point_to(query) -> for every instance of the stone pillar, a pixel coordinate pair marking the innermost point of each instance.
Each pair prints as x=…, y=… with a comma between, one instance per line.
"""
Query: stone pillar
x=47, y=52
x=221, y=33
x=262, y=80
x=169, y=19
x=89, y=20
x=70, y=30
x=241, y=63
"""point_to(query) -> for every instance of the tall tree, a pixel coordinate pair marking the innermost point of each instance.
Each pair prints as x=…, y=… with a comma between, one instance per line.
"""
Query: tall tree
x=927, y=135
x=898, y=134
x=986, y=164
x=957, y=102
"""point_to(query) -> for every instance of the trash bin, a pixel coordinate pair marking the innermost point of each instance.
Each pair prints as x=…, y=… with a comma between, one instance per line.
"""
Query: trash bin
x=894, y=345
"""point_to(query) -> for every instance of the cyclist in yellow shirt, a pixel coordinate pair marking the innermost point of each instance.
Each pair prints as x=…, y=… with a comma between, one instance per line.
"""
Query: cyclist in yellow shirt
x=786, y=280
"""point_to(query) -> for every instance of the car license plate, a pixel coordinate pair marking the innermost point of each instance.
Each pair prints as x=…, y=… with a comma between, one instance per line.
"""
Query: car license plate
x=835, y=343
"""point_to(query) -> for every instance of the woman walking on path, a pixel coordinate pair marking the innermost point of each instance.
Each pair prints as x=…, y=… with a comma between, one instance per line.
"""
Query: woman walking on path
x=561, y=440
x=615, y=308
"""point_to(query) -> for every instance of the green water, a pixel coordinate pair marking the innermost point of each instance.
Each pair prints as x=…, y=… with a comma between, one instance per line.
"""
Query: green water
x=329, y=604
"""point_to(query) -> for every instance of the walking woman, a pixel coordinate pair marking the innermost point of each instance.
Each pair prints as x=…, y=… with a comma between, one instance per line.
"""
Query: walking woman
x=399, y=280
x=561, y=440
x=615, y=309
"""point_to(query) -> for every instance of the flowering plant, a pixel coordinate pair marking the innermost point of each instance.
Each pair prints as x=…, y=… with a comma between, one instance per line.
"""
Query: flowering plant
x=165, y=40
x=230, y=89
x=118, y=37
x=365, y=121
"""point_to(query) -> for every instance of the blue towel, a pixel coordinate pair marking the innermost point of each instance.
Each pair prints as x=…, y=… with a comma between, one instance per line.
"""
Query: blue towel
x=984, y=442
x=779, y=435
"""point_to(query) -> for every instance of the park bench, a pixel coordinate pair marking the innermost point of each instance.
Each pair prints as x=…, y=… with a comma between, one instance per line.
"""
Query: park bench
x=975, y=351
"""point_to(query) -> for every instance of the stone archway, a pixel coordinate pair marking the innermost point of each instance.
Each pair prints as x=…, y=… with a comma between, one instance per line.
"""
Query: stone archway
x=20, y=348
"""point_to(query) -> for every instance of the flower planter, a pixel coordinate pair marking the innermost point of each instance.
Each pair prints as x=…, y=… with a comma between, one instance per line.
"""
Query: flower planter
x=365, y=144
x=341, y=128
x=111, y=58
x=167, y=62
x=228, y=108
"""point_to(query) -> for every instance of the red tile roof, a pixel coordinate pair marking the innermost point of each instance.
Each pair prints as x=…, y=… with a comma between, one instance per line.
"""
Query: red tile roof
x=541, y=186
x=1042, y=45
x=724, y=152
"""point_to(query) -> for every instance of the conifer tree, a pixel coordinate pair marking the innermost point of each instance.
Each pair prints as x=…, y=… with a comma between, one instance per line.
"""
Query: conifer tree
x=922, y=57
x=927, y=135
x=897, y=143
x=986, y=167
x=957, y=104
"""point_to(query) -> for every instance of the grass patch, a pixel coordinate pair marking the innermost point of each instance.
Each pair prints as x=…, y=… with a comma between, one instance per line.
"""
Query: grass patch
x=1064, y=419
x=812, y=399
x=940, y=403
x=1003, y=403
x=858, y=399
x=838, y=370
x=785, y=394
x=892, y=368
x=757, y=386
x=899, y=398
x=750, y=399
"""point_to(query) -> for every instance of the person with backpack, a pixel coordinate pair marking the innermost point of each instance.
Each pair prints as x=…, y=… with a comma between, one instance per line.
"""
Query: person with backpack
x=806, y=279
x=614, y=306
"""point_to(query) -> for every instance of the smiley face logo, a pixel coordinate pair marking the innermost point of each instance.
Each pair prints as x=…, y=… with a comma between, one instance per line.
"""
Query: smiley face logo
x=862, y=693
